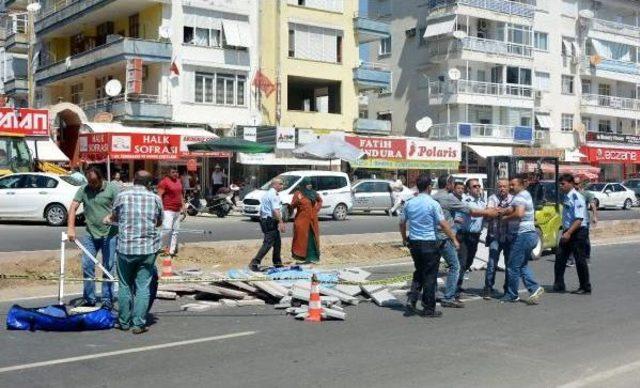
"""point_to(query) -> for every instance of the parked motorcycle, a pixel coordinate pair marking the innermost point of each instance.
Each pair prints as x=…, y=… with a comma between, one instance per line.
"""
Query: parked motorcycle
x=194, y=203
x=223, y=202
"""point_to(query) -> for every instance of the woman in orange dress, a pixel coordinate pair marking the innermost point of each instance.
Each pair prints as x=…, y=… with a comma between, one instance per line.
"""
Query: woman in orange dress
x=306, y=231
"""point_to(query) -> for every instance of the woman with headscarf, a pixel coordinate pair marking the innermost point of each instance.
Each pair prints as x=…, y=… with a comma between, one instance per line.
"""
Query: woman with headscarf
x=306, y=231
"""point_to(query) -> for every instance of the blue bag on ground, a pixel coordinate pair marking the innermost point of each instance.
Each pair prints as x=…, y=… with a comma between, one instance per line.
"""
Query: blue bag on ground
x=56, y=318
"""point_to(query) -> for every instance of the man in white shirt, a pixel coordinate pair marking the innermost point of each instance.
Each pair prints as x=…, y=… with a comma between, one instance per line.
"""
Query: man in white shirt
x=217, y=179
x=271, y=224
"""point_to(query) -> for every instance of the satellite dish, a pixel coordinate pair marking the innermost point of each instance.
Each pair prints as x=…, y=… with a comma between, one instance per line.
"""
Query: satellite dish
x=34, y=7
x=586, y=13
x=165, y=32
x=424, y=124
x=113, y=88
x=454, y=74
x=458, y=34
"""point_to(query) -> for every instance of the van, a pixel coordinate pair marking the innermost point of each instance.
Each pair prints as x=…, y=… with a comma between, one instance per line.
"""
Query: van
x=334, y=187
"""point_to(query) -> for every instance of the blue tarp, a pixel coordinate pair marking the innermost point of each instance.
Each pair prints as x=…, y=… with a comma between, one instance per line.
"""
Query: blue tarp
x=56, y=318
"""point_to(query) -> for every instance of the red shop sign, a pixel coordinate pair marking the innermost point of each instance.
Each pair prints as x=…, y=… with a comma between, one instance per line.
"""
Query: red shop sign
x=28, y=122
x=380, y=147
x=94, y=147
x=611, y=155
x=97, y=146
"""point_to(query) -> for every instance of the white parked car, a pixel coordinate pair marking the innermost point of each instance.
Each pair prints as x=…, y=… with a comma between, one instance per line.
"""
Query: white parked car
x=375, y=195
x=334, y=187
x=37, y=197
x=612, y=195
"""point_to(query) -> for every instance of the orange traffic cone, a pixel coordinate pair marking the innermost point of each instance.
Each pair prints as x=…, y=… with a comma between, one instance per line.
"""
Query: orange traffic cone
x=167, y=269
x=315, y=306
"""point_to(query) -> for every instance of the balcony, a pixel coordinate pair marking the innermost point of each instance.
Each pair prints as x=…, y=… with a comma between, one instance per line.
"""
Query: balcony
x=482, y=133
x=628, y=108
x=608, y=30
x=15, y=86
x=480, y=50
x=480, y=93
x=139, y=107
x=372, y=76
x=117, y=51
x=502, y=7
x=612, y=69
x=370, y=29
x=372, y=127
x=60, y=12
x=16, y=42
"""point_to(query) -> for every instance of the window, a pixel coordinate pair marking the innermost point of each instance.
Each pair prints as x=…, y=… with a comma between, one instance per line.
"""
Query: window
x=230, y=89
x=134, y=26
x=586, y=86
x=618, y=188
x=100, y=84
x=604, y=90
x=541, y=40
x=586, y=121
x=313, y=95
x=567, y=84
x=385, y=116
x=188, y=37
x=315, y=43
x=11, y=182
x=543, y=81
x=329, y=5
x=330, y=183
x=292, y=43
x=76, y=93
x=365, y=187
x=385, y=46
x=102, y=31
x=421, y=39
x=604, y=126
x=204, y=37
x=517, y=75
x=381, y=187
x=567, y=122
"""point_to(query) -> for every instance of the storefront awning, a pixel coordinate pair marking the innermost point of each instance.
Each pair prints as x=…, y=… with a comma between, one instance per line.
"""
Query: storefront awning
x=441, y=28
x=544, y=120
x=47, y=150
x=487, y=151
x=272, y=160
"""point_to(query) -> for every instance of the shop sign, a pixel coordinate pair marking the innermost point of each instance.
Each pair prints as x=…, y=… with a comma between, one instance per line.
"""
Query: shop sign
x=28, y=122
x=144, y=146
x=418, y=149
x=250, y=134
x=538, y=152
x=380, y=147
x=611, y=155
x=396, y=164
x=189, y=139
x=612, y=138
x=286, y=138
x=94, y=146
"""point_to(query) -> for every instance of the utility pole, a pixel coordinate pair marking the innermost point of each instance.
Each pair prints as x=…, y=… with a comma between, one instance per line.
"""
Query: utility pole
x=32, y=9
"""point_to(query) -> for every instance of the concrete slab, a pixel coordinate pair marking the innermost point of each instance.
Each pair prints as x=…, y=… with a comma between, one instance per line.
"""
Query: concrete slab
x=384, y=298
x=343, y=297
x=177, y=287
x=229, y=302
x=220, y=291
x=251, y=302
x=335, y=314
x=268, y=289
x=197, y=307
x=350, y=290
x=370, y=289
x=353, y=274
x=169, y=295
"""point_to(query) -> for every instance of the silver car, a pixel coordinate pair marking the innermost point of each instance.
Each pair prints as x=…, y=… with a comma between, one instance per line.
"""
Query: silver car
x=375, y=195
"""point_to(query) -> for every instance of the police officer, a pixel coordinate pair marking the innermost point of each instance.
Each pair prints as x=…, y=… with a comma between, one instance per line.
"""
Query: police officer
x=589, y=199
x=424, y=215
x=575, y=222
x=470, y=228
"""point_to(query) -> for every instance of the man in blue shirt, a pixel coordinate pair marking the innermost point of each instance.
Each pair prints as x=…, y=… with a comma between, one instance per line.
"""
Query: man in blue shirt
x=471, y=224
x=424, y=215
x=575, y=233
x=271, y=224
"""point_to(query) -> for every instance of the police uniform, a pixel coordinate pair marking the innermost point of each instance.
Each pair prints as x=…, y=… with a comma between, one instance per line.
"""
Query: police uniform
x=574, y=208
x=469, y=234
x=423, y=214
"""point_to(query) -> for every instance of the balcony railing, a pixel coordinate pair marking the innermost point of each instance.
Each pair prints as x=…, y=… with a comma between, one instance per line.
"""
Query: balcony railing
x=480, y=88
x=611, y=102
x=371, y=126
x=614, y=66
x=615, y=27
x=372, y=76
x=58, y=12
x=482, y=132
x=488, y=46
x=121, y=49
x=500, y=6
x=135, y=107
x=371, y=29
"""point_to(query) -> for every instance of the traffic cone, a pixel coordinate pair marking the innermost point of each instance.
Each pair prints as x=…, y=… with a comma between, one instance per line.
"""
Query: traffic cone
x=167, y=269
x=315, y=306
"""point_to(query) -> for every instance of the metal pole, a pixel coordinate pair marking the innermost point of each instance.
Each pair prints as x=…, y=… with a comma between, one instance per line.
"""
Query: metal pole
x=63, y=241
x=108, y=168
x=32, y=42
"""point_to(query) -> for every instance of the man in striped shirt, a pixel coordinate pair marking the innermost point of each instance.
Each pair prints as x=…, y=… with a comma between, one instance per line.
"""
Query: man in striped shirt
x=138, y=213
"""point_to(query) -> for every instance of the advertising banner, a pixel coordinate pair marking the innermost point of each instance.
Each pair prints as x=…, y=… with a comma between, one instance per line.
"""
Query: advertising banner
x=380, y=147
x=425, y=150
x=611, y=155
x=250, y=134
x=28, y=122
x=286, y=138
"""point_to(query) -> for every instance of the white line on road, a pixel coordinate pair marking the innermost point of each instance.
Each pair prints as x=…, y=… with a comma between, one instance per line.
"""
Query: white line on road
x=602, y=376
x=125, y=351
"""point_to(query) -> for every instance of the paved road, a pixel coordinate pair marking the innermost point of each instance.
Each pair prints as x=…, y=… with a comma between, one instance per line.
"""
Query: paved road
x=566, y=339
x=33, y=236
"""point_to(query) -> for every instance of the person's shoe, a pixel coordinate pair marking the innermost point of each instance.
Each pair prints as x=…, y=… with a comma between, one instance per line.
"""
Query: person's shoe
x=280, y=265
x=120, y=327
x=535, y=297
x=431, y=314
x=452, y=304
x=581, y=291
x=486, y=293
x=139, y=330
x=254, y=267
x=457, y=299
x=558, y=289
x=410, y=308
x=506, y=299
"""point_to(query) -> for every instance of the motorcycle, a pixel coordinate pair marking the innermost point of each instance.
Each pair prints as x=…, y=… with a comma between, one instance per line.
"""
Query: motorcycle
x=223, y=202
x=195, y=204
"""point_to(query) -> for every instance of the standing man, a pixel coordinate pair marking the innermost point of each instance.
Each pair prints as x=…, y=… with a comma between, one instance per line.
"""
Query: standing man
x=500, y=235
x=171, y=193
x=138, y=213
x=526, y=239
x=217, y=179
x=469, y=233
x=575, y=231
x=591, y=206
x=271, y=224
x=424, y=215
x=97, y=198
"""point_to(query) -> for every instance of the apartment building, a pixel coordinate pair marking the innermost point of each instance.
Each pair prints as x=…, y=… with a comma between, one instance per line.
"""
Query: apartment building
x=500, y=73
x=13, y=53
x=309, y=52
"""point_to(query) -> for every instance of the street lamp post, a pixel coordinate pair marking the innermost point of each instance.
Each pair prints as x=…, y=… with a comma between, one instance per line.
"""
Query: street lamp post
x=32, y=9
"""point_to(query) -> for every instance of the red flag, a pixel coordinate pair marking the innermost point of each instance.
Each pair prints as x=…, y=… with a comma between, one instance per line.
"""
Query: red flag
x=174, y=68
x=263, y=83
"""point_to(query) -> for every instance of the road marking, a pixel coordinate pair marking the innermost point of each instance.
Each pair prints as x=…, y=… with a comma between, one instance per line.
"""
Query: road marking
x=602, y=376
x=38, y=297
x=125, y=351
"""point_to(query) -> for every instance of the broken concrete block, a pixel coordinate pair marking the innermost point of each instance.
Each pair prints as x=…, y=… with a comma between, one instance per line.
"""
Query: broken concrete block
x=370, y=289
x=281, y=306
x=302, y=315
x=350, y=290
x=182, y=288
x=353, y=274
x=338, y=308
x=191, y=272
x=220, y=291
x=268, y=289
x=329, y=300
x=399, y=292
x=335, y=314
x=197, y=307
x=341, y=296
x=300, y=293
x=397, y=285
x=384, y=298
x=229, y=302
x=250, y=302
x=166, y=295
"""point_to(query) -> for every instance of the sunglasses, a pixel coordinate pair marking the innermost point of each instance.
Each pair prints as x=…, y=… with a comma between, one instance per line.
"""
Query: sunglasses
x=476, y=186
